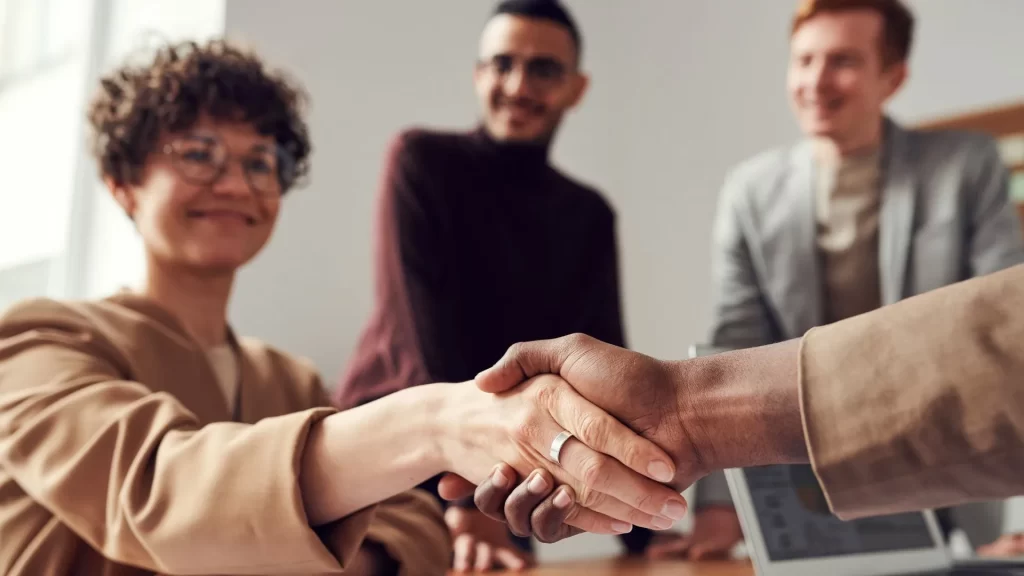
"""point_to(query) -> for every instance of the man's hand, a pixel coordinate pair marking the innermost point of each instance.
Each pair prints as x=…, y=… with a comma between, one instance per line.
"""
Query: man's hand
x=716, y=531
x=640, y=391
x=1007, y=546
x=728, y=410
x=483, y=544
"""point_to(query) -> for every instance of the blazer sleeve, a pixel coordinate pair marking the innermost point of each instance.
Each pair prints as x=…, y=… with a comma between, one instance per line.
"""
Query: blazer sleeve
x=995, y=235
x=740, y=315
x=919, y=404
x=132, y=472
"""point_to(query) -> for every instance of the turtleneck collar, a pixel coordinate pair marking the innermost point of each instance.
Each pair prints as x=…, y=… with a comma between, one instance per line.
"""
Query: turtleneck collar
x=513, y=154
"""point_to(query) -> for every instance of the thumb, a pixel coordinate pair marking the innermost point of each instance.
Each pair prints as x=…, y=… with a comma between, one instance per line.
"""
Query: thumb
x=525, y=360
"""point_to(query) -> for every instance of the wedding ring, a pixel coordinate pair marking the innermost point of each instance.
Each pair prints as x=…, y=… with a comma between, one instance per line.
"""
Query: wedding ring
x=556, y=446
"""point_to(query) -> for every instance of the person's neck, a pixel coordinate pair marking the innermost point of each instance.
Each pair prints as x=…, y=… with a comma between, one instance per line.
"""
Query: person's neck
x=518, y=155
x=833, y=151
x=199, y=302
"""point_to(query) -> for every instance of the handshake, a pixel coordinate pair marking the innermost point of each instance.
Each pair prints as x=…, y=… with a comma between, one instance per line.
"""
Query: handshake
x=606, y=439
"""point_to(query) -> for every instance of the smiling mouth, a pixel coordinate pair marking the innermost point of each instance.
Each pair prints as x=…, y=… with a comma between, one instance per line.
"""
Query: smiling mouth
x=832, y=105
x=222, y=215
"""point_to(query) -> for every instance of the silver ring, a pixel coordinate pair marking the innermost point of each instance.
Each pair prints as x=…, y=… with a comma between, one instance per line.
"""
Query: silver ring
x=556, y=446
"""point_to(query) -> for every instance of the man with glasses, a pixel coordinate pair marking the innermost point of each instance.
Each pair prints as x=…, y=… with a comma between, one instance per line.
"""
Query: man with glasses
x=482, y=243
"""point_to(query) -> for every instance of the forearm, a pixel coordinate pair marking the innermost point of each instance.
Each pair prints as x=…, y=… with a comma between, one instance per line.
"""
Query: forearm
x=742, y=408
x=359, y=457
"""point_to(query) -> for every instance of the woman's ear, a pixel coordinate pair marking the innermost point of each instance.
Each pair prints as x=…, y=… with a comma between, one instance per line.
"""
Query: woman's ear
x=123, y=195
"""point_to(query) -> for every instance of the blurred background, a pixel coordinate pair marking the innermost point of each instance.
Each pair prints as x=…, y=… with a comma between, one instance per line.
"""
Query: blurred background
x=680, y=92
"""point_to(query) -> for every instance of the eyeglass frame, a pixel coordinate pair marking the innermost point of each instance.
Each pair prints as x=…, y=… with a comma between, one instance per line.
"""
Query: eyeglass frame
x=530, y=77
x=282, y=156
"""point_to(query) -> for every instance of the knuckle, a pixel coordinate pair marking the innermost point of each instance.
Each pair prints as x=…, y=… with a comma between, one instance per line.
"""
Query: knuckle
x=589, y=498
x=643, y=502
x=547, y=393
x=593, y=429
x=634, y=453
x=524, y=431
x=595, y=471
x=577, y=340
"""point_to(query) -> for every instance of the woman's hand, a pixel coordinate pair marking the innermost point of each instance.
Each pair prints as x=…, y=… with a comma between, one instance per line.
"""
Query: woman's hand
x=608, y=467
x=482, y=544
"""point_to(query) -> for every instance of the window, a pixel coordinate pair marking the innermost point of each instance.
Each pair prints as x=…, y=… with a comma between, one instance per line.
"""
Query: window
x=34, y=34
x=41, y=113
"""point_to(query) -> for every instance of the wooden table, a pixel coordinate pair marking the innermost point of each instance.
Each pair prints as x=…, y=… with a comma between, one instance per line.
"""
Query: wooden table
x=614, y=567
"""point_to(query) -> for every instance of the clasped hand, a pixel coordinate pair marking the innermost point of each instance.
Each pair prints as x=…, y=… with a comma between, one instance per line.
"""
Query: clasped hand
x=609, y=471
x=612, y=490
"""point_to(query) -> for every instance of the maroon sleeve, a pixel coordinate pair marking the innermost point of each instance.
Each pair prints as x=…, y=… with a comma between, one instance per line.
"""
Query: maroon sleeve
x=407, y=335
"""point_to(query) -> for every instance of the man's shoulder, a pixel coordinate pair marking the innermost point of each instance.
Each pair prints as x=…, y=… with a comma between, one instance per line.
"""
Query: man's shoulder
x=758, y=175
x=763, y=165
x=417, y=143
x=947, y=146
x=586, y=196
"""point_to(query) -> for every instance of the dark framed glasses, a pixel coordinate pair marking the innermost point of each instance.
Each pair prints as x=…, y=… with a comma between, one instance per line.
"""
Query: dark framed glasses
x=202, y=159
x=541, y=72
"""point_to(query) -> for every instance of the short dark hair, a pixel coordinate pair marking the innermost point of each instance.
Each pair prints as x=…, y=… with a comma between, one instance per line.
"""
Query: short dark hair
x=550, y=10
x=136, y=104
x=897, y=22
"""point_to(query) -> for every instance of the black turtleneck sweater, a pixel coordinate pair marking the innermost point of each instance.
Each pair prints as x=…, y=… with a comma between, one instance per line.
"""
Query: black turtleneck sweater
x=479, y=245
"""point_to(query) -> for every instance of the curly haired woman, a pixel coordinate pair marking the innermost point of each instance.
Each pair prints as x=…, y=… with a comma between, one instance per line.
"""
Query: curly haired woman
x=139, y=434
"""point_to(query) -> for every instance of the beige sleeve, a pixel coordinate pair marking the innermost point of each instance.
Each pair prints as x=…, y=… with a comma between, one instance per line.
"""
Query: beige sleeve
x=920, y=404
x=133, y=474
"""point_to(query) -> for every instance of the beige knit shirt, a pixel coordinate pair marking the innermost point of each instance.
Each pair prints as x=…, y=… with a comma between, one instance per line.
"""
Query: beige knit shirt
x=847, y=201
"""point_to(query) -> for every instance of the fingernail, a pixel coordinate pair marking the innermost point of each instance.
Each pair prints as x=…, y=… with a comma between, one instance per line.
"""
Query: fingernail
x=621, y=527
x=662, y=523
x=537, y=484
x=562, y=500
x=660, y=471
x=498, y=479
x=674, y=510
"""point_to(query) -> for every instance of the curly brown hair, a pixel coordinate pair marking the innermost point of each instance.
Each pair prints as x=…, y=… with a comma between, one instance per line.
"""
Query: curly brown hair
x=135, y=105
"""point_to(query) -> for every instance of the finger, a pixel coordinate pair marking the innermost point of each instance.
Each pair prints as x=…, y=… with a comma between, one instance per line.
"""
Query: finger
x=588, y=520
x=602, y=432
x=548, y=520
x=456, y=519
x=525, y=360
x=524, y=498
x=464, y=548
x=675, y=548
x=510, y=559
x=454, y=487
x=576, y=458
x=709, y=550
x=491, y=495
x=484, y=557
x=583, y=468
x=616, y=491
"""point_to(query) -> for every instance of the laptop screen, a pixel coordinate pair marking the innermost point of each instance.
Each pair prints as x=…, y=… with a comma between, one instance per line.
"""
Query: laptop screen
x=796, y=522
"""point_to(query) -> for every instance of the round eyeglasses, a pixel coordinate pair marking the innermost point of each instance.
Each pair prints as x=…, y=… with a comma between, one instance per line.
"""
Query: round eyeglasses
x=202, y=160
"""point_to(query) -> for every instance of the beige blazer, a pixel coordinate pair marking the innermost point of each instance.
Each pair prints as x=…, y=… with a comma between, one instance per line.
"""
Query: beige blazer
x=118, y=455
x=920, y=404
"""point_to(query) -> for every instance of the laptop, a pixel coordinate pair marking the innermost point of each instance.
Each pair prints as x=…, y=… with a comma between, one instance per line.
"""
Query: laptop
x=790, y=530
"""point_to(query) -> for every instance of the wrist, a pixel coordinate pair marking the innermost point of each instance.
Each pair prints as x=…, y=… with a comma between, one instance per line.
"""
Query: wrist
x=432, y=428
x=742, y=408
